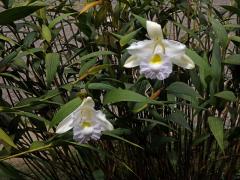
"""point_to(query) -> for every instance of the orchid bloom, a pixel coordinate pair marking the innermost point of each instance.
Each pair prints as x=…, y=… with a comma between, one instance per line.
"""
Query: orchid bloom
x=86, y=122
x=156, y=56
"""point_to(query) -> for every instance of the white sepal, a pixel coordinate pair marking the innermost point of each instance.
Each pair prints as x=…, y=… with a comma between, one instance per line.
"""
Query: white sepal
x=106, y=125
x=183, y=61
x=141, y=47
x=131, y=62
x=154, y=30
x=173, y=48
x=66, y=124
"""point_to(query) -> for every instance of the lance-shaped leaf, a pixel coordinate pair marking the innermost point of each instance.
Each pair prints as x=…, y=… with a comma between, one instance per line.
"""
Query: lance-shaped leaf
x=52, y=61
x=13, y=14
x=120, y=95
x=233, y=59
x=216, y=126
x=227, y=95
x=4, y=137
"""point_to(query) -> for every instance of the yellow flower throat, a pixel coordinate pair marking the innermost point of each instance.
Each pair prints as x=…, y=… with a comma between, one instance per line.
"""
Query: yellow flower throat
x=86, y=124
x=156, y=59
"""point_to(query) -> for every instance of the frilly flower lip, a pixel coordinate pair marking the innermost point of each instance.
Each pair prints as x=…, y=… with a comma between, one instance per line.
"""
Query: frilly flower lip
x=86, y=122
x=156, y=56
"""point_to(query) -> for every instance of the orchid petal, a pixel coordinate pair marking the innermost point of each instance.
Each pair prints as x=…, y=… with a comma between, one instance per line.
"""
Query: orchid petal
x=154, y=30
x=102, y=119
x=173, y=48
x=131, y=62
x=66, y=124
x=183, y=61
x=140, y=48
x=88, y=102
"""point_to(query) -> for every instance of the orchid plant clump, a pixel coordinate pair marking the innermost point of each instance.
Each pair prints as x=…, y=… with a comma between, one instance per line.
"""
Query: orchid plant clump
x=156, y=56
x=86, y=122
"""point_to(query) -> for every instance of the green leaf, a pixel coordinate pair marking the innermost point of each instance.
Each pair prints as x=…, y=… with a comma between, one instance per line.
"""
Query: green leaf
x=100, y=86
x=216, y=70
x=4, y=86
x=232, y=26
x=31, y=51
x=127, y=38
x=120, y=95
x=86, y=66
x=139, y=107
x=52, y=61
x=227, y=95
x=178, y=117
x=180, y=88
x=46, y=33
x=41, y=148
x=58, y=19
x=141, y=20
x=29, y=39
x=13, y=14
x=121, y=131
x=9, y=58
x=216, y=126
x=36, y=144
x=30, y=115
x=232, y=9
x=220, y=32
x=200, y=139
x=116, y=35
x=4, y=137
x=65, y=110
x=233, y=59
x=7, y=39
x=8, y=75
x=92, y=55
x=101, y=15
x=216, y=61
x=198, y=60
x=204, y=68
x=235, y=38
x=94, y=70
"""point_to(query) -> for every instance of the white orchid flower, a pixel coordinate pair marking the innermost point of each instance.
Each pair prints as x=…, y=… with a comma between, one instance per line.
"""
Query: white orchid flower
x=156, y=56
x=86, y=122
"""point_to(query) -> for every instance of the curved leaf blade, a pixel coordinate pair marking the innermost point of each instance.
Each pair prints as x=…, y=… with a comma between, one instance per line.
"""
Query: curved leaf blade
x=232, y=59
x=52, y=61
x=120, y=95
x=13, y=14
x=4, y=137
x=179, y=88
x=227, y=95
x=216, y=127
